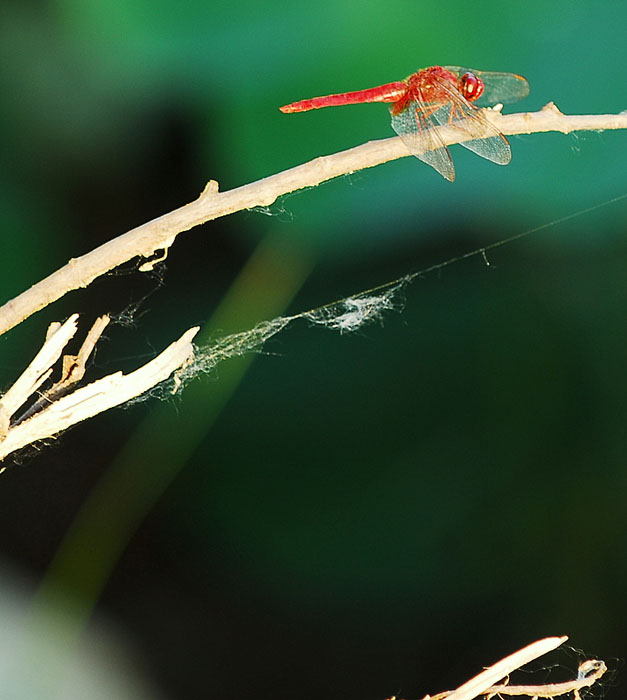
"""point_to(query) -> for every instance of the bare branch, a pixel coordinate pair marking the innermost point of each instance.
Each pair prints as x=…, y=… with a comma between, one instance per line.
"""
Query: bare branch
x=159, y=234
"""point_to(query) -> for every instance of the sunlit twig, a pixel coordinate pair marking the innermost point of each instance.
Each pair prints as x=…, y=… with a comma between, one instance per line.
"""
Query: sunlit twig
x=159, y=234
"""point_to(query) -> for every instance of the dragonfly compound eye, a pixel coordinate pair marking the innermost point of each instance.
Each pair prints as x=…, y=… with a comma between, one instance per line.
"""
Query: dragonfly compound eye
x=470, y=86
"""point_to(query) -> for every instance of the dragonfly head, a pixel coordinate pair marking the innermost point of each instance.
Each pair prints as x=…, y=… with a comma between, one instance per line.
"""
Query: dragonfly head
x=470, y=86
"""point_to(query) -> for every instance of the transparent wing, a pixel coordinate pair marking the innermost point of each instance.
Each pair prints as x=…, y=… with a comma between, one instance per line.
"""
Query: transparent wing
x=485, y=139
x=415, y=125
x=498, y=87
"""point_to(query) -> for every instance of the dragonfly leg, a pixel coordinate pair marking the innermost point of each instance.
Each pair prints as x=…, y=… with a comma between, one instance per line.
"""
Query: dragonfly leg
x=424, y=112
x=452, y=116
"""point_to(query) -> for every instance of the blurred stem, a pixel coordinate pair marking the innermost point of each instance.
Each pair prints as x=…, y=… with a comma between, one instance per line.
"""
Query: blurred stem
x=144, y=469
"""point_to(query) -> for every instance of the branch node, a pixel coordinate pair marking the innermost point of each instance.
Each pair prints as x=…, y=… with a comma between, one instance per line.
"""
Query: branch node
x=552, y=108
x=211, y=188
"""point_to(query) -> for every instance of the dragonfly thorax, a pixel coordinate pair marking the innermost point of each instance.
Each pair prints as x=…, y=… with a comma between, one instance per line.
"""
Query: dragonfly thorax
x=427, y=85
x=433, y=85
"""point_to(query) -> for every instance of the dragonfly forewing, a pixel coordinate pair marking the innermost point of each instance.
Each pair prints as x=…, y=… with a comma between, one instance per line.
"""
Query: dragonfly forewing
x=485, y=139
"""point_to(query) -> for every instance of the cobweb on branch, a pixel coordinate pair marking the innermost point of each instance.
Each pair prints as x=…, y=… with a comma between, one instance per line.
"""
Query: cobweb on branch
x=233, y=345
x=345, y=315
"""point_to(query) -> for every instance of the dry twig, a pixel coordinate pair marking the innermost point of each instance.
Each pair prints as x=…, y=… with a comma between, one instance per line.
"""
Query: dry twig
x=589, y=673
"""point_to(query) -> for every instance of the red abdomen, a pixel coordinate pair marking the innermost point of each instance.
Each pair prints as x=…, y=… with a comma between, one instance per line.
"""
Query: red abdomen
x=391, y=92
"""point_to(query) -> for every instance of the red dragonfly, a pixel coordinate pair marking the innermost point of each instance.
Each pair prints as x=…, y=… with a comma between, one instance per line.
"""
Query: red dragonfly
x=439, y=95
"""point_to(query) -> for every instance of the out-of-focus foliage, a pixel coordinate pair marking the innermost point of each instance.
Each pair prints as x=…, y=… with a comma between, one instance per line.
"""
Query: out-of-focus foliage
x=368, y=505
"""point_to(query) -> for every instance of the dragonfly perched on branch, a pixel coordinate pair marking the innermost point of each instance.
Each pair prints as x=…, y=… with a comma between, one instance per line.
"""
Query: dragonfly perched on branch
x=439, y=96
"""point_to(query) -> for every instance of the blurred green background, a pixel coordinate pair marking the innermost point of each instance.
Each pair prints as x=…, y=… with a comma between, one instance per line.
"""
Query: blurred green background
x=341, y=516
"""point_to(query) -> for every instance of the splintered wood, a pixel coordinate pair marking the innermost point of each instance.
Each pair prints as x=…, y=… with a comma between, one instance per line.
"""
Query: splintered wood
x=29, y=413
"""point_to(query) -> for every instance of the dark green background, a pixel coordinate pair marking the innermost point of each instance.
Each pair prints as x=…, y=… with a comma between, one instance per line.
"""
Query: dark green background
x=370, y=514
